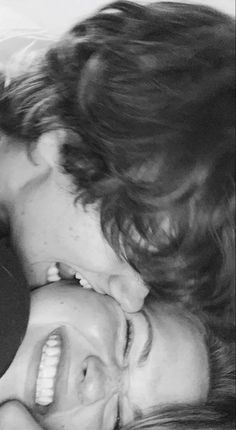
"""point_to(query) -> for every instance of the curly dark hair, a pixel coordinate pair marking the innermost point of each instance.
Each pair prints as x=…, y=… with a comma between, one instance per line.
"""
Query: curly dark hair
x=145, y=95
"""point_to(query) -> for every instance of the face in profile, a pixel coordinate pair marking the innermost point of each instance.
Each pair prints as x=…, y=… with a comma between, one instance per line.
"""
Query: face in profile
x=58, y=238
x=84, y=362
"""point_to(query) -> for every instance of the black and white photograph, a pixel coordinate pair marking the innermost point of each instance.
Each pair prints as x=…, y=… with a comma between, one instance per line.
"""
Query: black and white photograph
x=117, y=215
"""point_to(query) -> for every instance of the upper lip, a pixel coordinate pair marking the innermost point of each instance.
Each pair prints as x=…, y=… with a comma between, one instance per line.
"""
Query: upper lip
x=37, y=272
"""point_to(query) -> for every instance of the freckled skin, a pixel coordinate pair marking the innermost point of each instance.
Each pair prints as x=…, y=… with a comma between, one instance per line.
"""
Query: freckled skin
x=48, y=226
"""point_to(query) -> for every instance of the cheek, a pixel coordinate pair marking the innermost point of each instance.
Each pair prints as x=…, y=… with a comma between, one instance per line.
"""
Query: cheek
x=84, y=419
x=95, y=320
x=143, y=388
x=47, y=311
x=101, y=326
x=31, y=237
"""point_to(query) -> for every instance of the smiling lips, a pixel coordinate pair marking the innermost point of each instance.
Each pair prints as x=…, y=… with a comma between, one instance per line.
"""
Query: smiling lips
x=48, y=368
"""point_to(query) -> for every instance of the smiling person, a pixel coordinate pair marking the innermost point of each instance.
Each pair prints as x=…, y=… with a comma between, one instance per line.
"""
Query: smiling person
x=116, y=157
x=121, y=138
x=85, y=363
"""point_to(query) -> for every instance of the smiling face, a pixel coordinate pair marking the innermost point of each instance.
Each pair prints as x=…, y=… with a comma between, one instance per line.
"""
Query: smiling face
x=55, y=236
x=80, y=359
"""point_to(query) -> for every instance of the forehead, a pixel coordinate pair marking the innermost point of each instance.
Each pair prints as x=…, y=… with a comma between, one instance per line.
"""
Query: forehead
x=177, y=368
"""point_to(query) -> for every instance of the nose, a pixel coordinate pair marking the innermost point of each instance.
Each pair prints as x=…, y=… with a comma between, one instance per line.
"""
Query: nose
x=99, y=380
x=129, y=291
x=125, y=381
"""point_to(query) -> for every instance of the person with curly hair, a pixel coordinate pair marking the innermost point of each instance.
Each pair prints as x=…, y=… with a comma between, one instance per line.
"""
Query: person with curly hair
x=117, y=158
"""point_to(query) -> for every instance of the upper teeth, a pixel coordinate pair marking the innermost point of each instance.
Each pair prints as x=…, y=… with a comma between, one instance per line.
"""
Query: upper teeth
x=50, y=358
x=53, y=275
x=83, y=282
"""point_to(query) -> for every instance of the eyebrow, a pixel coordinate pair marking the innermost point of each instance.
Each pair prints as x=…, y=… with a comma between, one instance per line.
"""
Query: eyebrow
x=148, y=344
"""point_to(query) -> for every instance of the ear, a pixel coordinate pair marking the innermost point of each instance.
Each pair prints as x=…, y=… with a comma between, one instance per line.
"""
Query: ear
x=47, y=149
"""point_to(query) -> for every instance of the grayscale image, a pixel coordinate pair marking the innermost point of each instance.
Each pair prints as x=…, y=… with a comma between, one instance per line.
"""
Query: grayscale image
x=117, y=215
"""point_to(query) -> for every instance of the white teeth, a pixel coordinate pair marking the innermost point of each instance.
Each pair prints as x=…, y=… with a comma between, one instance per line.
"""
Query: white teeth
x=48, y=384
x=52, y=342
x=53, y=273
x=53, y=352
x=50, y=358
x=45, y=400
x=47, y=392
x=48, y=372
x=83, y=282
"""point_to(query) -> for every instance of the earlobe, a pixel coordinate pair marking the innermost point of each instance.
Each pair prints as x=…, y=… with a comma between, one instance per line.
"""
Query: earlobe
x=47, y=149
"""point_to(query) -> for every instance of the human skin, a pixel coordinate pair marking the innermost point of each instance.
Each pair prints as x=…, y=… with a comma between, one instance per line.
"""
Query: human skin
x=51, y=230
x=97, y=369
x=14, y=416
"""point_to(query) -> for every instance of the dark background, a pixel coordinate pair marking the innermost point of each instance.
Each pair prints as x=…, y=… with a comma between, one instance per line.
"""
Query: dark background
x=9, y=261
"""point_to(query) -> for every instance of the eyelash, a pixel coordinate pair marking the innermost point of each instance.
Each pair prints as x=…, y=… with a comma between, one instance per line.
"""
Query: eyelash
x=128, y=344
x=118, y=423
x=129, y=337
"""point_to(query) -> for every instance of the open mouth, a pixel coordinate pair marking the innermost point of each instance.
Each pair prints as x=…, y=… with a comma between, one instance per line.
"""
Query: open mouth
x=58, y=271
x=48, y=369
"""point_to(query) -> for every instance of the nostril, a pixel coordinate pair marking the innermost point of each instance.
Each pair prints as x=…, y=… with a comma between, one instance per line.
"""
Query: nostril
x=84, y=371
x=94, y=385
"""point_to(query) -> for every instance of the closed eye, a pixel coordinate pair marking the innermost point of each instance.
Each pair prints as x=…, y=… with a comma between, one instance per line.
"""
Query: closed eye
x=118, y=423
x=129, y=337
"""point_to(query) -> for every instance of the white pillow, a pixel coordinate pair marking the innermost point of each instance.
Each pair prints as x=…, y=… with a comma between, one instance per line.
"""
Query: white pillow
x=19, y=36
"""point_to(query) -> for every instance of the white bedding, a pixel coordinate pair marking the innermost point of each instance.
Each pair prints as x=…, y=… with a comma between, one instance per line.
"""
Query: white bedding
x=34, y=24
x=19, y=35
